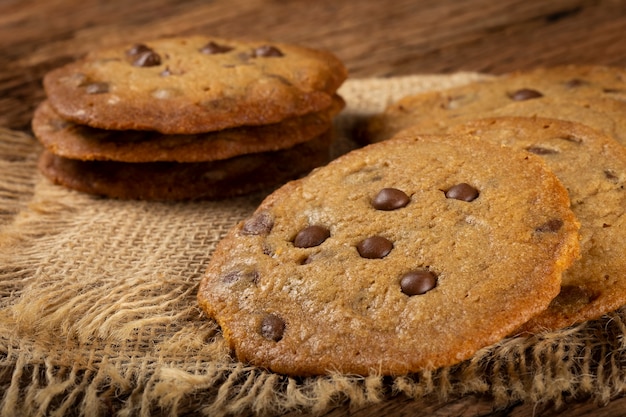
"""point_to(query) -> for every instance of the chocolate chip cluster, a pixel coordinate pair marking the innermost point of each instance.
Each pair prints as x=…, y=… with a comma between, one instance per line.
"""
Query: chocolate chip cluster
x=412, y=283
x=141, y=55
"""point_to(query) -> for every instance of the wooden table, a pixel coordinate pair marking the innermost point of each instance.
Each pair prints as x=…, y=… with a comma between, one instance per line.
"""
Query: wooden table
x=373, y=38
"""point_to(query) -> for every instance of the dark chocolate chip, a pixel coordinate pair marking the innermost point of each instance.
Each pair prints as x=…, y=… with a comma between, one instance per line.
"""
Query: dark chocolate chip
x=553, y=225
x=259, y=224
x=97, y=88
x=214, y=48
x=272, y=327
x=538, y=150
x=525, y=94
x=462, y=191
x=137, y=50
x=147, y=59
x=266, y=51
x=390, y=199
x=240, y=276
x=418, y=282
x=311, y=236
x=141, y=55
x=375, y=247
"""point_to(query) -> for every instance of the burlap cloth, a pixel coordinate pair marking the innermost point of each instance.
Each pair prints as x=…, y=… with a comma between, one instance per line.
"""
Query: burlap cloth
x=98, y=311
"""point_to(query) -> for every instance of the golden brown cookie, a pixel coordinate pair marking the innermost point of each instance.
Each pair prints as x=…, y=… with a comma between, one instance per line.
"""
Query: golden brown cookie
x=572, y=86
x=187, y=181
x=402, y=256
x=592, y=167
x=70, y=140
x=194, y=84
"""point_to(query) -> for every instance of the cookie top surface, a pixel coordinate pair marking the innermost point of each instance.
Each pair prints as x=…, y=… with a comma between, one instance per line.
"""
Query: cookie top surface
x=592, y=167
x=74, y=141
x=401, y=256
x=194, y=84
x=169, y=181
x=563, y=84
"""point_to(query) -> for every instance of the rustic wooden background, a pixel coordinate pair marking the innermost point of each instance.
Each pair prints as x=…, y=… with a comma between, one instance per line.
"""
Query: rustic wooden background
x=374, y=38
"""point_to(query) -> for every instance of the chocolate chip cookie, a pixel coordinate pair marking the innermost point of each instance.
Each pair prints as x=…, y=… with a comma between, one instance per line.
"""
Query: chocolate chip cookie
x=592, y=166
x=577, y=87
x=402, y=256
x=194, y=84
x=603, y=114
x=73, y=141
x=169, y=181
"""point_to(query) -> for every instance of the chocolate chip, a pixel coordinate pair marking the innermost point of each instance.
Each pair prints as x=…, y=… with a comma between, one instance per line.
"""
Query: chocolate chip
x=311, y=236
x=214, y=48
x=272, y=327
x=147, y=59
x=525, y=94
x=418, y=282
x=266, y=51
x=240, y=276
x=142, y=56
x=538, y=150
x=462, y=191
x=137, y=49
x=97, y=88
x=390, y=199
x=375, y=247
x=550, y=226
x=259, y=224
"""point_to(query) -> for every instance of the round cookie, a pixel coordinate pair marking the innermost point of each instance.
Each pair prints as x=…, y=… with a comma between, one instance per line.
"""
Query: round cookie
x=603, y=114
x=592, y=167
x=187, y=181
x=597, y=85
x=194, y=84
x=70, y=140
x=402, y=256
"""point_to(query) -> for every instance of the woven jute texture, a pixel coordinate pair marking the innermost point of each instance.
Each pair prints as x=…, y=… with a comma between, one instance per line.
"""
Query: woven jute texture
x=98, y=311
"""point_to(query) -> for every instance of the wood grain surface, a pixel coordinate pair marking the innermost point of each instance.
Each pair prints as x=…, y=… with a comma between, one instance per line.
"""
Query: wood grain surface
x=374, y=38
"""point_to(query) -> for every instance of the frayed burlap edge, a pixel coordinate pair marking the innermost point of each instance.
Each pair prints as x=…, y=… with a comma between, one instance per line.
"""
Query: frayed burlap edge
x=122, y=335
x=587, y=361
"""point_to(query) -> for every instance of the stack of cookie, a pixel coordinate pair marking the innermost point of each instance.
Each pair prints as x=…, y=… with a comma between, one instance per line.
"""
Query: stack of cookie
x=188, y=118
